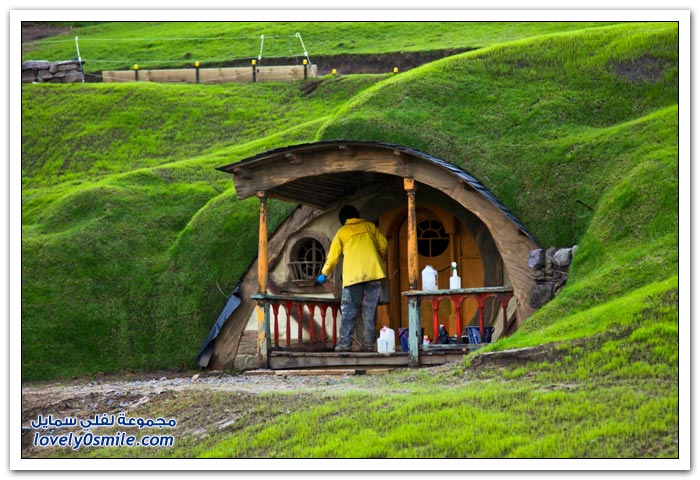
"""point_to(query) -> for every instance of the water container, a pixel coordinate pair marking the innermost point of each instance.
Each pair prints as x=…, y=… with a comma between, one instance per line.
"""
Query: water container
x=430, y=276
x=386, y=343
x=455, y=281
x=382, y=345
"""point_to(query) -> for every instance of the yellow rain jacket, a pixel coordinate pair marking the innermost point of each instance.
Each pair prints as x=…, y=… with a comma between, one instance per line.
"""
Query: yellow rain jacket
x=362, y=246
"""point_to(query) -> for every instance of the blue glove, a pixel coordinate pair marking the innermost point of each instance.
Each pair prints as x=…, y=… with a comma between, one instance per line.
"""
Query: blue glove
x=321, y=278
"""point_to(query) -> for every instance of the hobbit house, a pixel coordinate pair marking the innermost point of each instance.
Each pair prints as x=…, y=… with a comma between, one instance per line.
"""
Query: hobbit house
x=432, y=213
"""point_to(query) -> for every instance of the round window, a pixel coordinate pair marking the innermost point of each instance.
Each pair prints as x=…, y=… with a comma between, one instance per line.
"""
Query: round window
x=307, y=259
x=432, y=238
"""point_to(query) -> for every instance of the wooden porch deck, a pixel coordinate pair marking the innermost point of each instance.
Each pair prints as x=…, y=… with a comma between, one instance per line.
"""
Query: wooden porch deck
x=435, y=355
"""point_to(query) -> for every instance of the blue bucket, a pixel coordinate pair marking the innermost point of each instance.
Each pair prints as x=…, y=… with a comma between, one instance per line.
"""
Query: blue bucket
x=475, y=335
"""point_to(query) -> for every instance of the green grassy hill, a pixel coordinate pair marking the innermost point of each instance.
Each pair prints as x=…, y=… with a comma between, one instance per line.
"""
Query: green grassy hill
x=120, y=45
x=128, y=233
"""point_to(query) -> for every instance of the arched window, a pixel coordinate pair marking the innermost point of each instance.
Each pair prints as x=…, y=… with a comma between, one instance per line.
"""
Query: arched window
x=432, y=238
x=306, y=260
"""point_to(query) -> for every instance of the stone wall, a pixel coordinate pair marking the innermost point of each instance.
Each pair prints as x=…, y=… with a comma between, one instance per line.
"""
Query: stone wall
x=550, y=269
x=69, y=71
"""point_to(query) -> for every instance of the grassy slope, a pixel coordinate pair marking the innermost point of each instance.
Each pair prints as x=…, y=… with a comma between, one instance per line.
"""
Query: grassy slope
x=545, y=130
x=609, y=386
x=100, y=258
x=119, y=45
x=96, y=253
x=581, y=129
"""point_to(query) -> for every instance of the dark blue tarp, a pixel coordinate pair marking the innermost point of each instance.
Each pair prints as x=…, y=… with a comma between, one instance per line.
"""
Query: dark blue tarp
x=208, y=348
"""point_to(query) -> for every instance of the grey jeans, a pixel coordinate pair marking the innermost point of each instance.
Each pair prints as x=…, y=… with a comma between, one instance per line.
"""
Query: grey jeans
x=360, y=298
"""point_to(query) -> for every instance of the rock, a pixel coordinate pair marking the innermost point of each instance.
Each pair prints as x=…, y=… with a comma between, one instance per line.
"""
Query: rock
x=562, y=258
x=536, y=259
x=28, y=76
x=548, y=260
x=246, y=362
x=71, y=77
x=54, y=72
x=541, y=294
x=36, y=65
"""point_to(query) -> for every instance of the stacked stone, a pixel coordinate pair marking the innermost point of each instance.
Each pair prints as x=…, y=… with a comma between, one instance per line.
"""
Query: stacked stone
x=550, y=269
x=54, y=72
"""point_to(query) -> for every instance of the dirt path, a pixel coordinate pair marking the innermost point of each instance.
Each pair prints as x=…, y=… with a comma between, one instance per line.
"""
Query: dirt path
x=199, y=402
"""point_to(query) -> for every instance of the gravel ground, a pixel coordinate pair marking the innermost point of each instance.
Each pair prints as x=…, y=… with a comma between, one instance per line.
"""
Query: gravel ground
x=199, y=401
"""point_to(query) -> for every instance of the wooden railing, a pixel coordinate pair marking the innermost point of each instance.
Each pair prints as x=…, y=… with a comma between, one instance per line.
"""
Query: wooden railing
x=302, y=321
x=457, y=296
x=312, y=323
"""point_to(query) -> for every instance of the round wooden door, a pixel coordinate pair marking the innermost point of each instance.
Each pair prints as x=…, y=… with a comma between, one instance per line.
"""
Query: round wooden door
x=442, y=239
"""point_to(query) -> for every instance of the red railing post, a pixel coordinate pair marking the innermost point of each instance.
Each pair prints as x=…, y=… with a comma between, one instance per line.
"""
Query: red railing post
x=435, y=302
x=457, y=302
x=334, y=311
x=312, y=322
x=481, y=300
x=288, y=306
x=324, y=308
x=300, y=318
x=505, y=300
x=276, y=311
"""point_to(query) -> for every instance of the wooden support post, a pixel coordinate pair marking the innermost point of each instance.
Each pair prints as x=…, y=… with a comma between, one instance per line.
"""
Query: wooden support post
x=413, y=302
x=413, y=331
x=409, y=186
x=263, y=307
x=262, y=244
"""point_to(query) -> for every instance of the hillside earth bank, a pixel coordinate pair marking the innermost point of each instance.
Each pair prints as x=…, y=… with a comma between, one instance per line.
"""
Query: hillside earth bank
x=343, y=63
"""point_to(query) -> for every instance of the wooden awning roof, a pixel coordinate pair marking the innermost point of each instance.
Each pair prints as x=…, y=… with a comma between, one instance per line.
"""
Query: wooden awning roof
x=319, y=174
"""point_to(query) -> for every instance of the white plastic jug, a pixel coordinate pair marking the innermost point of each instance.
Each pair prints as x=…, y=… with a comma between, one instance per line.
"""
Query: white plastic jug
x=386, y=343
x=455, y=280
x=430, y=276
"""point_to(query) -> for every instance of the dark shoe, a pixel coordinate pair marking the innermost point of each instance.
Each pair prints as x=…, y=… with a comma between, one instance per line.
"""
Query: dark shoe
x=366, y=349
x=340, y=348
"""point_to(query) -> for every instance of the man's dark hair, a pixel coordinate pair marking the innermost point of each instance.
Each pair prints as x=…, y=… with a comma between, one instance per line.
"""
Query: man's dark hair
x=346, y=212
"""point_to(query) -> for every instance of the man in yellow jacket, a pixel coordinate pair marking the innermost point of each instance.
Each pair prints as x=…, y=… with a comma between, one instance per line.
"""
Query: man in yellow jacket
x=362, y=246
